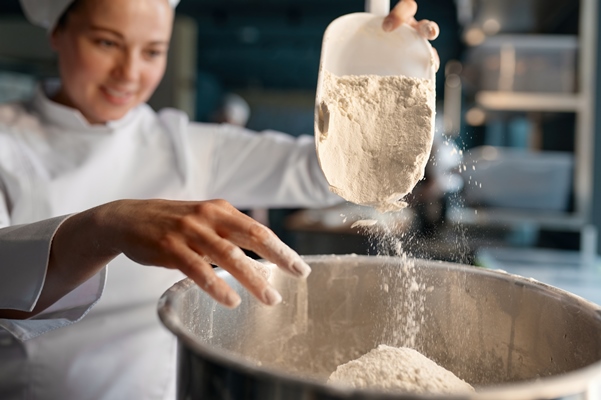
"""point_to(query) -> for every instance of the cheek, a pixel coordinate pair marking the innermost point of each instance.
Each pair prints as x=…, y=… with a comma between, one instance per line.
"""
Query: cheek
x=152, y=76
x=84, y=66
x=95, y=67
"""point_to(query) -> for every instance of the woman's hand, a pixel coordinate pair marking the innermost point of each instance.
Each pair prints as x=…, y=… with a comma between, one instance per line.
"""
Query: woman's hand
x=404, y=13
x=174, y=234
x=189, y=235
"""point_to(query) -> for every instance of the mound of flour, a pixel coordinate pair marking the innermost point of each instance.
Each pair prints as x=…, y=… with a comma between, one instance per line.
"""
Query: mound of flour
x=374, y=136
x=399, y=369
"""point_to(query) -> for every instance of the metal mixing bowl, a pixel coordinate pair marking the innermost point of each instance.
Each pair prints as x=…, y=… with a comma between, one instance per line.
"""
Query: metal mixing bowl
x=510, y=337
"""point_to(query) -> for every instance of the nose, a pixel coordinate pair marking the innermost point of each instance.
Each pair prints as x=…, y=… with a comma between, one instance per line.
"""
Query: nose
x=128, y=67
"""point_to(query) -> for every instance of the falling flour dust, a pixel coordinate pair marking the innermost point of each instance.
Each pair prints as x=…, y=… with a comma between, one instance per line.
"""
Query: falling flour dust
x=375, y=135
x=399, y=369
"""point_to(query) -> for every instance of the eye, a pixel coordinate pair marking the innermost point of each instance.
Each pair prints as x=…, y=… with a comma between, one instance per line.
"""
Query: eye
x=152, y=53
x=106, y=43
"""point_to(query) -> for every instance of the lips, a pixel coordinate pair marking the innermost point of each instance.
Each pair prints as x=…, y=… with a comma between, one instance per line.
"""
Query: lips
x=117, y=96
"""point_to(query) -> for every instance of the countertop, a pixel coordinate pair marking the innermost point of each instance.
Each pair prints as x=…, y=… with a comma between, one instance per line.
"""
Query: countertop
x=562, y=269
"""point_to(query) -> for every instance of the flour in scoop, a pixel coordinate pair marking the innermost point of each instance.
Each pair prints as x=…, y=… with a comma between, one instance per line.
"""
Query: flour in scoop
x=375, y=134
x=399, y=369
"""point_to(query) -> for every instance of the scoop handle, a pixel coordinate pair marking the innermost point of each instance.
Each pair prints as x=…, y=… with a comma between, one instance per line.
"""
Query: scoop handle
x=378, y=7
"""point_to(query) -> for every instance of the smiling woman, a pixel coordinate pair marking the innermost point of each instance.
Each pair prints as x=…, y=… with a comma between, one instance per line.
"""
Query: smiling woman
x=78, y=163
x=94, y=185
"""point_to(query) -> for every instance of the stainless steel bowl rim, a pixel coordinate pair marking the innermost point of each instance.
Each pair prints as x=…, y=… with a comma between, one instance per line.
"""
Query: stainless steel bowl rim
x=567, y=384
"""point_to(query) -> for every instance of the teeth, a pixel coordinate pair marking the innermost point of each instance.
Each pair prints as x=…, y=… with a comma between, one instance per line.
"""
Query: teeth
x=116, y=93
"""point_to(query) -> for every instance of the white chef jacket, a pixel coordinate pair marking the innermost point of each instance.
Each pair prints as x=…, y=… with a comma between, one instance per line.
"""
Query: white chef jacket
x=52, y=164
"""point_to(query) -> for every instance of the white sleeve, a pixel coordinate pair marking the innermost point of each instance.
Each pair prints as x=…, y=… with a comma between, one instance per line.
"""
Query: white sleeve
x=265, y=169
x=24, y=252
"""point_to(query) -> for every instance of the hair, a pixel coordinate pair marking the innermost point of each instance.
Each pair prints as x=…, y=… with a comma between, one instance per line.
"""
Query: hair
x=62, y=21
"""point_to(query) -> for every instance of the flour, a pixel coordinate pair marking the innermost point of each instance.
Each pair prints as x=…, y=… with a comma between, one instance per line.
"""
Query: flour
x=399, y=369
x=364, y=223
x=375, y=134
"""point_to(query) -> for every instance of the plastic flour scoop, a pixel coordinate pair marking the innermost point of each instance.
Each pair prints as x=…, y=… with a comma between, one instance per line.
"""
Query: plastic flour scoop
x=355, y=44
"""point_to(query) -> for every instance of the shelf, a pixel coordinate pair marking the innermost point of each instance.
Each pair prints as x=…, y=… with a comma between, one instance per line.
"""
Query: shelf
x=582, y=104
x=512, y=101
x=505, y=216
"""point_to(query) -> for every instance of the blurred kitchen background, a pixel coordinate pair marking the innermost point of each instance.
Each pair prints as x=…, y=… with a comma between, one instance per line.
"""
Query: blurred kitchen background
x=515, y=175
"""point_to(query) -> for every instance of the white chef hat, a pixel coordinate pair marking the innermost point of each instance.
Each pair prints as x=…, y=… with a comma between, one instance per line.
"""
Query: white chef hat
x=46, y=13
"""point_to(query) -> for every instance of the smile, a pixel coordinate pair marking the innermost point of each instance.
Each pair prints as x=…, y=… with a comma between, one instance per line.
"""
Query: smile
x=117, y=97
x=116, y=93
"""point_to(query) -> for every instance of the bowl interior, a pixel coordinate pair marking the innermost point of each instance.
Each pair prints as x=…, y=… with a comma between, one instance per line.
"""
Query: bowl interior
x=486, y=327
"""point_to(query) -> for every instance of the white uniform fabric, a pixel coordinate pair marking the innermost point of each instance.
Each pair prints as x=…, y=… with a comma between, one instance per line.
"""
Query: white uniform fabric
x=52, y=164
x=46, y=13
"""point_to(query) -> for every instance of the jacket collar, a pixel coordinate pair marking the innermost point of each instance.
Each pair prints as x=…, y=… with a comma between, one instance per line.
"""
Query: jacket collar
x=70, y=118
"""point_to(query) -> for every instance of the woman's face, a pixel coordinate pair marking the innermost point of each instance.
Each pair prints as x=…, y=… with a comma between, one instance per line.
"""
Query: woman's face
x=112, y=55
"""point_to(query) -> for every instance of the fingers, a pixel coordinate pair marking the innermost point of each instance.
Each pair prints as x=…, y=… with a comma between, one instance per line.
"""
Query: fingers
x=402, y=13
x=249, y=234
x=245, y=232
x=191, y=235
x=427, y=29
x=262, y=268
x=201, y=272
x=231, y=258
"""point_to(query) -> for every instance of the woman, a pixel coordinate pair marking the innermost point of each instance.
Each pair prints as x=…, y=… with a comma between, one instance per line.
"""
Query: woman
x=78, y=165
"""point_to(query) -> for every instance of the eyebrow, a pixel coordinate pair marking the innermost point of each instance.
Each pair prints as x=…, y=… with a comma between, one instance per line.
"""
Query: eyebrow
x=114, y=32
